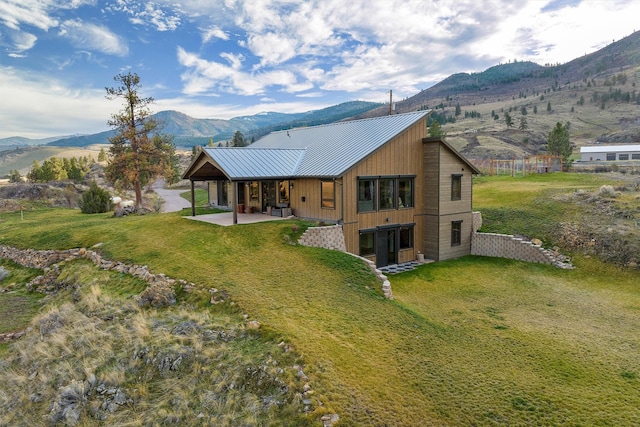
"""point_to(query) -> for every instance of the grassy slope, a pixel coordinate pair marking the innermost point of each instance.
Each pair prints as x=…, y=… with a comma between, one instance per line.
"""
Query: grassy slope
x=531, y=345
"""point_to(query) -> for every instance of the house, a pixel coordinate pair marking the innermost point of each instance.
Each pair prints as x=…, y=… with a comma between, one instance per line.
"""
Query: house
x=594, y=153
x=395, y=192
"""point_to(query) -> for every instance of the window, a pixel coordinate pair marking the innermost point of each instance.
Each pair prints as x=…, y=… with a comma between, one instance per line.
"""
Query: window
x=456, y=233
x=635, y=156
x=384, y=193
x=367, y=243
x=406, y=237
x=405, y=193
x=623, y=157
x=366, y=195
x=387, y=193
x=254, y=191
x=328, y=190
x=611, y=156
x=456, y=187
x=283, y=186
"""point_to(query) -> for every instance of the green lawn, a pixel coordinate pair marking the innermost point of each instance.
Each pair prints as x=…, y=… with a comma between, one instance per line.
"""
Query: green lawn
x=475, y=341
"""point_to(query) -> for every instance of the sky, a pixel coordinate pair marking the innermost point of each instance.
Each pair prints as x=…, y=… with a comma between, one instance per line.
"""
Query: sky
x=229, y=58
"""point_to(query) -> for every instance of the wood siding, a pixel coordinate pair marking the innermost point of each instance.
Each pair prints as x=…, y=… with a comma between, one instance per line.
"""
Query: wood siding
x=441, y=164
x=400, y=156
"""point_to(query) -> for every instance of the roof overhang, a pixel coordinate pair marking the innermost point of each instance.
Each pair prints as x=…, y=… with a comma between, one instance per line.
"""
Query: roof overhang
x=440, y=140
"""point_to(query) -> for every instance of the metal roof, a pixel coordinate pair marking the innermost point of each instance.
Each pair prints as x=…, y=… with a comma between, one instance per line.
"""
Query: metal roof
x=330, y=150
x=609, y=148
x=325, y=151
x=241, y=163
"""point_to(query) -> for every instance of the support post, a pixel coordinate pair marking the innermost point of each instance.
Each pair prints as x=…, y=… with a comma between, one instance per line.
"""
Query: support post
x=193, y=199
x=234, y=204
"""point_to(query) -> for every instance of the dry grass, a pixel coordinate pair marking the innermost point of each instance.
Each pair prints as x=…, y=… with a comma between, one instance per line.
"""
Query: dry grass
x=102, y=358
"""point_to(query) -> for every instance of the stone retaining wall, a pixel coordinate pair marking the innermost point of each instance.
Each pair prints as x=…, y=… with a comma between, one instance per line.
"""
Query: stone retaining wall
x=50, y=261
x=508, y=246
x=328, y=237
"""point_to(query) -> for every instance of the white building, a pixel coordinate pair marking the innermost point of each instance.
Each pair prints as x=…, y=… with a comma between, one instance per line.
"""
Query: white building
x=612, y=153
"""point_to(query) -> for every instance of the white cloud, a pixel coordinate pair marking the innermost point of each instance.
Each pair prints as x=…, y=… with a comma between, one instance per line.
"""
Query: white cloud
x=204, y=76
x=94, y=37
x=213, y=32
x=150, y=13
x=18, y=13
x=43, y=107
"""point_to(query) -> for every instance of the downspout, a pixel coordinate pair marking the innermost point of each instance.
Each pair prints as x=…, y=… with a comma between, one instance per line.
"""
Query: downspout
x=193, y=199
x=341, y=219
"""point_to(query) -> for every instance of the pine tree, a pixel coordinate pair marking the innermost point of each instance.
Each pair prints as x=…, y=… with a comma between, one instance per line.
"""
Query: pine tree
x=139, y=152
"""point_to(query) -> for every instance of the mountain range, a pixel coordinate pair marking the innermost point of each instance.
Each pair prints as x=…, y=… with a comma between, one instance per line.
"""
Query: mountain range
x=596, y=93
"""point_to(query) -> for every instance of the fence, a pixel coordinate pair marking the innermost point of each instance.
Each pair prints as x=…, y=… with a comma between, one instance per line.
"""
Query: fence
x=520, y=167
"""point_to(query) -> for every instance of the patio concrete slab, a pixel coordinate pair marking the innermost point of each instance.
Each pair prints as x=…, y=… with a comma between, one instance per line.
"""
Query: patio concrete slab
x=226, y=218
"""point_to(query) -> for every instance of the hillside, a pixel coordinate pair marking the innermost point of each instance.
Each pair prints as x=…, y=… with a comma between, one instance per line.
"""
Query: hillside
x=596, y=93
x=189, y=131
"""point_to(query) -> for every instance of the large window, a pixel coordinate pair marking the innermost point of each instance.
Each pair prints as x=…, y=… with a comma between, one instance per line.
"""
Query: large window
x=367, y=243
x=328, y=190
x=456, y=233
x=366, y=195
x=405, y=193
x=406, y=237
x=385, y=193
x=456, y=187
x=623, y=157
x=611, y=156
x=635, y=156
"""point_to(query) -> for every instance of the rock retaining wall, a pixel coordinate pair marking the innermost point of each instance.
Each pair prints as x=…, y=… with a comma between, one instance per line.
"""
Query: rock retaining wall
x=512, y=247
x=328, y=237
x=49, y=261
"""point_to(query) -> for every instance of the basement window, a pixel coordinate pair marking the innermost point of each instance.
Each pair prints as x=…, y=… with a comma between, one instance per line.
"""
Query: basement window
x=456, y=233
x=367, y=243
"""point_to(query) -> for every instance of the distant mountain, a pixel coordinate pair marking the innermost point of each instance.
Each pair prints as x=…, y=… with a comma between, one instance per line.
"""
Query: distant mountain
x=189, y=131
x=19, y=141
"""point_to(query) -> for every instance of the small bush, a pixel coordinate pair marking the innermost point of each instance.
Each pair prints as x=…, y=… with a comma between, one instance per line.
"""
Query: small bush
x=607, y=191
x=95, y=200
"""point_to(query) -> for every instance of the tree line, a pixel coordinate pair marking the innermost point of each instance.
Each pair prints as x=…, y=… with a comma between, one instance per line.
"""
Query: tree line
x=56, y=169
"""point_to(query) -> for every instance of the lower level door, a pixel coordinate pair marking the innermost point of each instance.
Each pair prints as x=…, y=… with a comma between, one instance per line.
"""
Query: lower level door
x=386, y=247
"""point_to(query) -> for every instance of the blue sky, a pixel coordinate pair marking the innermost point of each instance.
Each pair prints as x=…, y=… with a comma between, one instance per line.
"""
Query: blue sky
x=227, y=58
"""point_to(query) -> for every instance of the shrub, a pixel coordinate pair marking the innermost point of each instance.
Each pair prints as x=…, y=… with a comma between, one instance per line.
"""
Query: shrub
x=607, y=191
x=95, y=200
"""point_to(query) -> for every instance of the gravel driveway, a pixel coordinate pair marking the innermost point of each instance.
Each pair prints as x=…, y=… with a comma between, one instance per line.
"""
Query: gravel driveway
x=172, y=200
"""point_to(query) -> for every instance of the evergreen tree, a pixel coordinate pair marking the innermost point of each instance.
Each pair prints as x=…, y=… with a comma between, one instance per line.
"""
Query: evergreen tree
x=458, y=109
x=523, y=123
x=139, y=152
x=435, y=130
x=558, y=143
x=102, y=155
x=507, y=119
x=238, y=140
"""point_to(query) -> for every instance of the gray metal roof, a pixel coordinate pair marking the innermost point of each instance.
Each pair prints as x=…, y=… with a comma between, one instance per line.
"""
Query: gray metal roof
x=242, y=163
x=609, y=148
x=317, y=151
x=334, y=148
